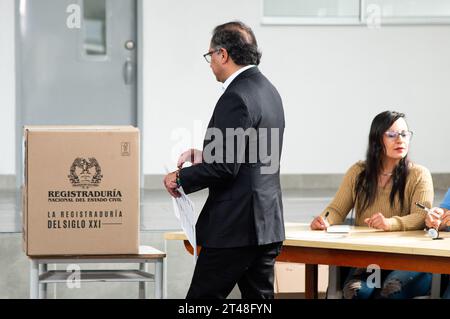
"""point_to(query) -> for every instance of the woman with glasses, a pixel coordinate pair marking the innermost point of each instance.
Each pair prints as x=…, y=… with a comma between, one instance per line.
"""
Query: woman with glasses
x=440, y=219
x=382, y=190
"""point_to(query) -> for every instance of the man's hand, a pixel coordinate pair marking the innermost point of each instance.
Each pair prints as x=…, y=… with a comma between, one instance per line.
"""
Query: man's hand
x=378, y=221
x=434, y=219
x=192, y=156
x=170, y=182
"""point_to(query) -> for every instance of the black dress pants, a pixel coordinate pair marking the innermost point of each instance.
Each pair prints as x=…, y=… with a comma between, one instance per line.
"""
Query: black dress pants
x=218, y=270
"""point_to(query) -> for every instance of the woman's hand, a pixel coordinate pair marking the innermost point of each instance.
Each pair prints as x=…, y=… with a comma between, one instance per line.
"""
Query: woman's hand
x=378, y=221
x=319, y=223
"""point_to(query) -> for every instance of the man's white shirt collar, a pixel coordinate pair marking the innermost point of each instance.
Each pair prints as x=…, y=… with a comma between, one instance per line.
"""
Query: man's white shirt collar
x=234, y=75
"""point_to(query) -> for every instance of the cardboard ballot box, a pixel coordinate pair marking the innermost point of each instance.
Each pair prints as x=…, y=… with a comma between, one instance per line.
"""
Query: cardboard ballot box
x=81, y=190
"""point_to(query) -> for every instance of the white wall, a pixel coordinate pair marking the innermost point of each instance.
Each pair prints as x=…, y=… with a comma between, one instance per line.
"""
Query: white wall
x=333, y=81
x=7, y=88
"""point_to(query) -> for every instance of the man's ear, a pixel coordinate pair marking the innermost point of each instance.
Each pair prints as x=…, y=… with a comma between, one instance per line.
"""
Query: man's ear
x=225, y=55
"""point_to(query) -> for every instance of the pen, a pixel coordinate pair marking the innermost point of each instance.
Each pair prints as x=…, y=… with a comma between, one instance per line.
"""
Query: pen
x=429, y=211
x=326, y=216
x=424, y=207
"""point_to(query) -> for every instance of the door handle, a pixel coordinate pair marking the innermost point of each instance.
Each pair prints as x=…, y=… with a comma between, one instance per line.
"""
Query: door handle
x=128, y=72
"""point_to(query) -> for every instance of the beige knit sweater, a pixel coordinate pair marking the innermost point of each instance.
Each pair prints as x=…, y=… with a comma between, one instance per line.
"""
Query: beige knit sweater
x=419, y=188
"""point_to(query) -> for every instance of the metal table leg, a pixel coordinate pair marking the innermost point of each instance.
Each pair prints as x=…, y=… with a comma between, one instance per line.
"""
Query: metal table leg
x=142, y=285
x=159, y=275
x=42, y=287
x=34, y=279
x=165, y=271
x=436, y=286
x=334, y=283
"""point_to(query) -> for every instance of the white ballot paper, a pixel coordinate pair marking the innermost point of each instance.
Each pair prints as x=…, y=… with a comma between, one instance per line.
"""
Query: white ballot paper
x=185, y=212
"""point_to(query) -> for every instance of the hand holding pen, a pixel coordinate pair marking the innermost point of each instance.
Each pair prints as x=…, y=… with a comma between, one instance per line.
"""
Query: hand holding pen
x=432, y=221
x=320, y=223
x=434, y=218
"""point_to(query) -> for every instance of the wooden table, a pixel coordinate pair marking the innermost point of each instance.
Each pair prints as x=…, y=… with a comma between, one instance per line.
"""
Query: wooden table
x=40, y=276
x=411, y=250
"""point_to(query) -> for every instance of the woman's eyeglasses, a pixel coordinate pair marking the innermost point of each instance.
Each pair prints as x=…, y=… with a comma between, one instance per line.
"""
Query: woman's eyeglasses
x=393, y=135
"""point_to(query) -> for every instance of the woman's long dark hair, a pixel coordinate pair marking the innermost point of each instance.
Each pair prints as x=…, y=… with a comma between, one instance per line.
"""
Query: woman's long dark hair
x=367, y=181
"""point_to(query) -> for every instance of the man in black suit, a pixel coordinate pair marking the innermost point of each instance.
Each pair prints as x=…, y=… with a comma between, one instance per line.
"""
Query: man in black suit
x=241, y=226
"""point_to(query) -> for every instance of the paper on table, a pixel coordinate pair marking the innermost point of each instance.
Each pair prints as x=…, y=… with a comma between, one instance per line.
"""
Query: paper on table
x=185, y=212
x=339, y=229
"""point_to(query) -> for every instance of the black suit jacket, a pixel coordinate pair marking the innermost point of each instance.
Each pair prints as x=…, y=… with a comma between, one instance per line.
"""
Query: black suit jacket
x=244, y=206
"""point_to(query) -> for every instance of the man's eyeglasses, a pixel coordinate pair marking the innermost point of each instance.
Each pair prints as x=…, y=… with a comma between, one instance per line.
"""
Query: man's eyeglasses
x=393, y=135
x=207, y=56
